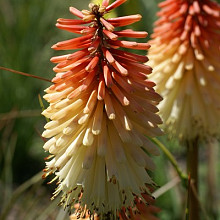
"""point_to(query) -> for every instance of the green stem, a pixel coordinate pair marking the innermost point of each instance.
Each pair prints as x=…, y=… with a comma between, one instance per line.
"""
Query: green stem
x=172, y=160
x=192, y=169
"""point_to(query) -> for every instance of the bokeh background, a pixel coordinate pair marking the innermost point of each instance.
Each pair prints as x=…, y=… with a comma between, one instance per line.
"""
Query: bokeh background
x=27, y=31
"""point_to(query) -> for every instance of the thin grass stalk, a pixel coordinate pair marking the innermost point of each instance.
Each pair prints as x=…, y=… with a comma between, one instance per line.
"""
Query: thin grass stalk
x=165, y=188
x=13, y=114
x=24, y=74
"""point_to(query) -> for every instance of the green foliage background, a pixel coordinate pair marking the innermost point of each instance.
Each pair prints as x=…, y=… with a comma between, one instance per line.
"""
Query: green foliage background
x=27, y=32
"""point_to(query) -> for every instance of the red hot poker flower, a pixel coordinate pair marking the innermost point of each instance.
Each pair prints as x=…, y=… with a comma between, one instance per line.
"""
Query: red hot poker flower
x=185, y=55
x=101, y=107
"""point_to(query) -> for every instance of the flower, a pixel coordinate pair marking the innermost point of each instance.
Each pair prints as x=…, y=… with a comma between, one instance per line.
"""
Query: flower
x=185, y=58
x=101, y=107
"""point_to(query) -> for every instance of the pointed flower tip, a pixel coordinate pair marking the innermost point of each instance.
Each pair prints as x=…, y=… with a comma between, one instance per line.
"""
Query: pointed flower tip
x=54, y=46
x=115, y=4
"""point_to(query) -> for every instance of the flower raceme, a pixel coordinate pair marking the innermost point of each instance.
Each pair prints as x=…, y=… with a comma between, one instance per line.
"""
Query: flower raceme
x=185, y=56
x=102, y=108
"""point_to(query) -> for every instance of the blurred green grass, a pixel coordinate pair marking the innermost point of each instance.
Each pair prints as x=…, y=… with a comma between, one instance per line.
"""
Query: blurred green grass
x=27, y=33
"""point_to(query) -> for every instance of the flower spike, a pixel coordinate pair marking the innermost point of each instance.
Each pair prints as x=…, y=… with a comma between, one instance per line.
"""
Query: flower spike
x=101, y=107
x=185, y=55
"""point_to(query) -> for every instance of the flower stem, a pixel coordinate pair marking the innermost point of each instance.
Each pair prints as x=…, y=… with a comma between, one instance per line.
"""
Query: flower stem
x=173, y=161
x=192, y=169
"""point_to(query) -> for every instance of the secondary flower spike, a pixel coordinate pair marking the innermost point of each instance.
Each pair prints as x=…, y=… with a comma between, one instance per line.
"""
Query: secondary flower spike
x=102, y=108
x=185, y=55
